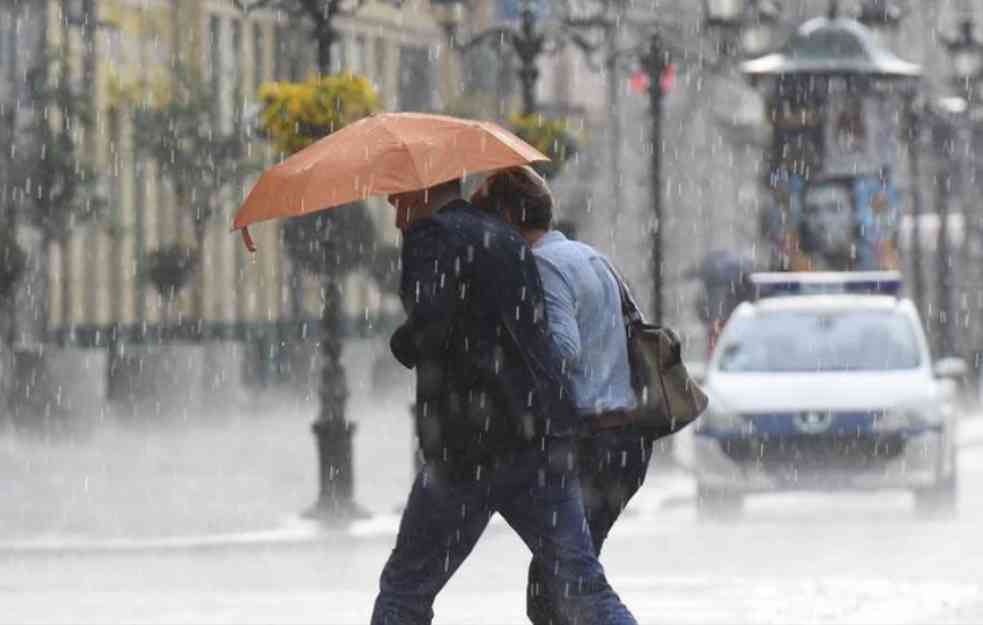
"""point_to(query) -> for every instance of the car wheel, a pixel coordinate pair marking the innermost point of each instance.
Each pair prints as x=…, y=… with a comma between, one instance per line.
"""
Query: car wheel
x=718, y=504
x=938, y=501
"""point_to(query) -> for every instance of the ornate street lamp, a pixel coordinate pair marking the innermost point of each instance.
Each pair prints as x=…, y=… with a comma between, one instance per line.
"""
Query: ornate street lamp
x=747, y=26
x=528, y=41
x=966, y=53
x=749, y=23
x=881, y=14
x=950, y=120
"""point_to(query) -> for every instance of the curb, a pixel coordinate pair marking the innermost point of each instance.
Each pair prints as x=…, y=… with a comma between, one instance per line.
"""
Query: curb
x=293, y=532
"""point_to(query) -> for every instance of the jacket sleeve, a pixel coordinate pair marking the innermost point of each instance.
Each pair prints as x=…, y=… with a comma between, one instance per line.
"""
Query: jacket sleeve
x=561, y=311
x=429, y=290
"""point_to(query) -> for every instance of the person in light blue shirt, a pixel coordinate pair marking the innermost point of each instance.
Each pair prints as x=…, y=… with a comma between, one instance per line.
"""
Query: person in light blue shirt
x=583, y=314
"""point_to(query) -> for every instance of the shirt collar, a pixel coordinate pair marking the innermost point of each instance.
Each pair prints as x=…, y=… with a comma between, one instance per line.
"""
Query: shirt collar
x=551, y=237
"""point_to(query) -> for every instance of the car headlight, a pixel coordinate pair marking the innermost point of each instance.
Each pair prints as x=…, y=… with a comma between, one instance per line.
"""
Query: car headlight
x=897, y=419
x=890, y=421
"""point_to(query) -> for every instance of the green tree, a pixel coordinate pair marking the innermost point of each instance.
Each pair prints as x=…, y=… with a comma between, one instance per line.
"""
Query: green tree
x=203, y=162
x=328, y=244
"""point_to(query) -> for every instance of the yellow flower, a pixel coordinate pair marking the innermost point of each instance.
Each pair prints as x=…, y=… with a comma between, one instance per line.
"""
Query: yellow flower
x=295, y=115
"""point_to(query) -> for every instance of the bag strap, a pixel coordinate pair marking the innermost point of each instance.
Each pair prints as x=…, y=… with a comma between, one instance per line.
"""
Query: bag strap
x=629, y=307
x=633, y=314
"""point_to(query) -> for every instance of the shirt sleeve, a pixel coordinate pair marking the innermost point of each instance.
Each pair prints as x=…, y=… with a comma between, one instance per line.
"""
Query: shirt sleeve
x=428, y=289
x=561, y=311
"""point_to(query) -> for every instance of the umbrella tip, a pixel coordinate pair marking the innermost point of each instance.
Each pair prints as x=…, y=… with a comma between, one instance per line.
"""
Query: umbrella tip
x=247, y=239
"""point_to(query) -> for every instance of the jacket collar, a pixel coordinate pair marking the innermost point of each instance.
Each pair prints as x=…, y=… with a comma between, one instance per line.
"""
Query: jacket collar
x=454, y=205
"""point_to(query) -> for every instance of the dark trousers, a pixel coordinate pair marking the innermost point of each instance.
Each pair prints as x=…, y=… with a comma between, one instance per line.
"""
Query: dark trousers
x=537, y=492
x=612, y=466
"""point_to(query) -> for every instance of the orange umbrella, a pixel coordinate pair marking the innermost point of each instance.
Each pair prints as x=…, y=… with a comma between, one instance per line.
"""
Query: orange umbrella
x=380, y=155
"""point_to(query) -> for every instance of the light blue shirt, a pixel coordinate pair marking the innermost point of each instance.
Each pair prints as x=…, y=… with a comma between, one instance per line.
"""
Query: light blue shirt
x=583, y=306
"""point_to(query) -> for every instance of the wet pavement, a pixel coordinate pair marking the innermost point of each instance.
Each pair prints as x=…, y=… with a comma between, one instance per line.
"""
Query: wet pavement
x=200, y=524
x=792, y=558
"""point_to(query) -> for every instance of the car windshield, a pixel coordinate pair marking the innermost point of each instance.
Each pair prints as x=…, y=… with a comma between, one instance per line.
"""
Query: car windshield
x=787, y=341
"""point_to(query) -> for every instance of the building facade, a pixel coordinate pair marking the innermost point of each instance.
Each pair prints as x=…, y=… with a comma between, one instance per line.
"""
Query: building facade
x=117, y=51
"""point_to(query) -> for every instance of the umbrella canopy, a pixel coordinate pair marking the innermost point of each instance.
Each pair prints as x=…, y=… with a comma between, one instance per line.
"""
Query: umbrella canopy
x=380, y=155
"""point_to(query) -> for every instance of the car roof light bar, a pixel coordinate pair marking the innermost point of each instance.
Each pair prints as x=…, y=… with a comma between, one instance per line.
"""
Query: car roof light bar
x=827, y=283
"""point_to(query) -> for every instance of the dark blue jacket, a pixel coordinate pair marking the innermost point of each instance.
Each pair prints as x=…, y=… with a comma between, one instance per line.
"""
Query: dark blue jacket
x=488, y=376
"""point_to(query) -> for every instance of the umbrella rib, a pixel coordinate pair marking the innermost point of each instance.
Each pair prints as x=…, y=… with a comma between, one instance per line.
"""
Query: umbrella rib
x=406, y=148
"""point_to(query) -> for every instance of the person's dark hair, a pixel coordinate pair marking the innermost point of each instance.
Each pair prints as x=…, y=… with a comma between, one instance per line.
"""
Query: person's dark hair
x=519, y=193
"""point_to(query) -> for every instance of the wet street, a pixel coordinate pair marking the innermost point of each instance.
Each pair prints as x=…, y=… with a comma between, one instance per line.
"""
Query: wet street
x=792, y=558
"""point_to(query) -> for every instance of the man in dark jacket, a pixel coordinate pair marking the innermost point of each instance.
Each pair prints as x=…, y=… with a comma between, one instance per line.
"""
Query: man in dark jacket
x=493, y=415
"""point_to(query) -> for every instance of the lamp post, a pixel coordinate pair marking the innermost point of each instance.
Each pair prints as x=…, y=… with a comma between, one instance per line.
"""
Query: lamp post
x=953, y=134
x=944, y=138
x=655, y=61
x=746, y=26
x=527, y=41
x=735, y=20
x=880, y=14
x=966, y=56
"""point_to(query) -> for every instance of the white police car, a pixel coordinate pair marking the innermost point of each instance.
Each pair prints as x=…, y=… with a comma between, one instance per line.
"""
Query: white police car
x=825, y=382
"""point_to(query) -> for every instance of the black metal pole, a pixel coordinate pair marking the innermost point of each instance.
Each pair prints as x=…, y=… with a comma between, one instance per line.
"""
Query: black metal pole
x=944, y=140
x=914, y=159
x=528, y=46
x=655, y=63
x=614, y=133
x=332, y=431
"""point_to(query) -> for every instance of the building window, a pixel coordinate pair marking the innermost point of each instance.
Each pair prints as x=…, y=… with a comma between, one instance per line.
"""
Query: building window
x=286, y=62
x=4, y=36
x=360, y=64
x=480, y=71
x=215, y=63
x=234, y=65
x=415, y=79
x=380, y=64
x=339, y=54
x=259, y=57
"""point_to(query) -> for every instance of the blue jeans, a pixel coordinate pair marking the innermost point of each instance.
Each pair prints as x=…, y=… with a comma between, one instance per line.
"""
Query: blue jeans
x=538, y=494
x=612, y=467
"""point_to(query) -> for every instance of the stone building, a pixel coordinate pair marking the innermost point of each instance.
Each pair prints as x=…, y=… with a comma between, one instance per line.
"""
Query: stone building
x=96, y=298
x=96, y=278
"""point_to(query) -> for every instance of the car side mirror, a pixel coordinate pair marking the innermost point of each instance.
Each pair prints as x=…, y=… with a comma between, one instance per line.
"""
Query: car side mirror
x=951, y=369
